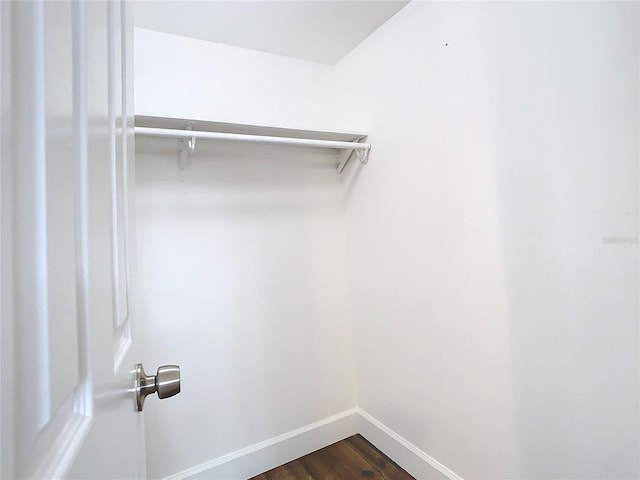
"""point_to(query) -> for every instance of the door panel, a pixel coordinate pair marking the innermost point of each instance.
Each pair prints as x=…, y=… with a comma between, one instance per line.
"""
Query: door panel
x=72, y=354
x=114, y=447
x=52, y=408
x=118, y=106
x=59, y=193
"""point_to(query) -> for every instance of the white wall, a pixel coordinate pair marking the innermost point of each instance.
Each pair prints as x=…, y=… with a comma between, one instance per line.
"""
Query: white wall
x=242, y=266
x=187, y=78
x=495, y=329
x=496, y=325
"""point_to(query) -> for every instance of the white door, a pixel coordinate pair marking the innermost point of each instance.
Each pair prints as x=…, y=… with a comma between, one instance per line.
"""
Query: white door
x=68, y=350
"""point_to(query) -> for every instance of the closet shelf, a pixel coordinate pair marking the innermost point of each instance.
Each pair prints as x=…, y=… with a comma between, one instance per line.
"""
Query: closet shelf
x=192, y=130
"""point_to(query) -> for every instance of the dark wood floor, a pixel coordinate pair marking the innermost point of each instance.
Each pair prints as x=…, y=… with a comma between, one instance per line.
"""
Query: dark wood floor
x=352, y=458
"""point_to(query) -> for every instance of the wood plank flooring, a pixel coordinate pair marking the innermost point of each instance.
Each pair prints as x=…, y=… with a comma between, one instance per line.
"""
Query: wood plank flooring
x=351, y=458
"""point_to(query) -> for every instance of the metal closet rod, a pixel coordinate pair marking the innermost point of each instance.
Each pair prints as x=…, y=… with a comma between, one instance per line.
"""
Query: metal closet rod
x=241, y=137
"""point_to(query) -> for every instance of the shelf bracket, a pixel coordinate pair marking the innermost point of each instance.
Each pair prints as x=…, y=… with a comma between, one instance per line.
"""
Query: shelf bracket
x=188, y=147
x=362, y=155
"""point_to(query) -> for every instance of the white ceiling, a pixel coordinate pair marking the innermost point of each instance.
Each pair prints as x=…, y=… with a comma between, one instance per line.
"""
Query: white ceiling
x=321, y=31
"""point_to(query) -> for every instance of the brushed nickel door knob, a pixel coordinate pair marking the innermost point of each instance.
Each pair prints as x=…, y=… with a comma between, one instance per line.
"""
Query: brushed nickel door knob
x=166, y=383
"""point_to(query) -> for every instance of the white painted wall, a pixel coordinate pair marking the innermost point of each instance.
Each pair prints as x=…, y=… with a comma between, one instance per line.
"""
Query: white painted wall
x=242, y=267
x=495, y=329
x=200, y=80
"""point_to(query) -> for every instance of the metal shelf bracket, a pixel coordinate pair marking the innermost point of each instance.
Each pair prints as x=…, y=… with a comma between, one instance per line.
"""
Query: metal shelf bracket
x=188, y=147
x=362, y=155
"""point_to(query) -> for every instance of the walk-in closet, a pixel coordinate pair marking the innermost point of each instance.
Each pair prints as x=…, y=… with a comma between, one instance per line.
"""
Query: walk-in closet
x=401, y=236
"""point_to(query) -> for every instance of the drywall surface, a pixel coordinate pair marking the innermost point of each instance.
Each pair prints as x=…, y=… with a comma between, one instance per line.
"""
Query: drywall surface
x=493, y=236
x=243, y=284
x=242, y=266
x=186, y=78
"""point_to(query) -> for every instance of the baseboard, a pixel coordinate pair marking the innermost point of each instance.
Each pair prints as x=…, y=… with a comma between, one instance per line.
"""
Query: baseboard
x=260, y=457
x=415, y=461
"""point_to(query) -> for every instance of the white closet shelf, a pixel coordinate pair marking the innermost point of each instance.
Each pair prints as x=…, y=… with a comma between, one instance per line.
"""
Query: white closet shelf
x=191, y=130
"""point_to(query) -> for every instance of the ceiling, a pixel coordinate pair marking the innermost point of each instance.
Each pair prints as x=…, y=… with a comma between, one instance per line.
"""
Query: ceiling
x=320, y=31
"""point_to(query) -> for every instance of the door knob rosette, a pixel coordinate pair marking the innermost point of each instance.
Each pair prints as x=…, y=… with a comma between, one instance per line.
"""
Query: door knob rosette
x=166, y=383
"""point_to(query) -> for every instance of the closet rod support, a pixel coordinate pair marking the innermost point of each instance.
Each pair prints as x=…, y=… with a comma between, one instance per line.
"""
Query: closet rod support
x=362, y=154
x=188, y=146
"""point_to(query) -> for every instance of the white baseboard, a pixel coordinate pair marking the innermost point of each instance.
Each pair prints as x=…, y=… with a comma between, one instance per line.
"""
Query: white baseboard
x=402, y=451
x=260, y=457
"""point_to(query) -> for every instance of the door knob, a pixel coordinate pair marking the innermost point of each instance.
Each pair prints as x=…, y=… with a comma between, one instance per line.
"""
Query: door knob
x=166, y=383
